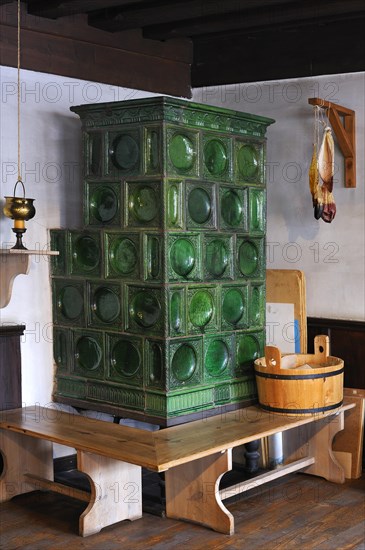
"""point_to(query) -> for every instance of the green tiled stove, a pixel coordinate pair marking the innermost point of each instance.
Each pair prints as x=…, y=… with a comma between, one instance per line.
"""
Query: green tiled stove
x=159, y=300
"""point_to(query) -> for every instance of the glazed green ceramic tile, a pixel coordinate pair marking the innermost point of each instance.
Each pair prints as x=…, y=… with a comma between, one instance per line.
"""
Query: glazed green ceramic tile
x=61, y=348
x=102, y=205
x=124, y=359
x=59, y=242
x=182, y=152
x=202, y=309
x=156, y=403
x=144, y=310
x=184, y=258
x=200, y=206
x=94, y=153
x=185, y=363
x=234, y=307
x=250, y=258
x=233, y=209
x=152, y=150
x=174, y=204
x=143, y=204
x=68, y=302
x=68, y=386
x=249, y=346
x=155, y=364
x=97, y=392
x=218, y=355
x=198, y=400
x=176, y=310
x=86, y=255
x=243, y=389
x=104, y=305
x=217, y=156
x=257, y=211
x=217, y=257
x=122, y=255
x=124, y=152
x=88, y=354
x=248, y=161
x=153, y=248
x=257, y=306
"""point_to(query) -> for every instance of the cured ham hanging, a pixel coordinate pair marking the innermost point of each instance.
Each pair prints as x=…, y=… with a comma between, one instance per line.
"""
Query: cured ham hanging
x=321, y=173
x=326, y=165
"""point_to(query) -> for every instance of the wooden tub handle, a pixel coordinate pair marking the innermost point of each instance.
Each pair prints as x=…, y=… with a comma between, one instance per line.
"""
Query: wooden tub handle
x=321, y=347
x=272, y=357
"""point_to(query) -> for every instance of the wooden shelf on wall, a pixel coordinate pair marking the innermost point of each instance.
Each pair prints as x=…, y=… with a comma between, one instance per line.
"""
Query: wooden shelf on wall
x=15, y=262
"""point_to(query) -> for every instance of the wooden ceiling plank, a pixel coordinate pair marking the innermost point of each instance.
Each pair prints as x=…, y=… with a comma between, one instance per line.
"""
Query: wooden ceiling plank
x=76, y=27
x=171, y=12
x=69, y=57
x=279, y=56
x=295, y=14
x=60, y=8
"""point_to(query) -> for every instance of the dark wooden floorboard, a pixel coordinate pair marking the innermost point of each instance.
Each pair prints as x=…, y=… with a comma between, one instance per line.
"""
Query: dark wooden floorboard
x=294, y=513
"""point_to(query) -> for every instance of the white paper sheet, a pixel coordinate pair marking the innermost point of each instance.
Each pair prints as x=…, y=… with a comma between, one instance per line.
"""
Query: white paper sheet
x=281, y=328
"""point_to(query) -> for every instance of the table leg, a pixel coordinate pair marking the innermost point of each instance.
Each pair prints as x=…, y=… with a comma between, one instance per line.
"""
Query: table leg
x=116, y=492
x=23, y=454
x=192, y=492
x=252, y=456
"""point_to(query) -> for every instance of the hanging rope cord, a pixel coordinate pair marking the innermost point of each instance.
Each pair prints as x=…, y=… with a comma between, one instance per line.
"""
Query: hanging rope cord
x=18, y=67
x=319, y=120
x=316, y=126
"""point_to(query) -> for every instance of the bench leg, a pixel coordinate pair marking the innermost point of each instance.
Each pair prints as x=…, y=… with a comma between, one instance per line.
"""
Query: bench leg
x=316, y=440
x=116, y=492
x=192, y=492
x=320, y=446
x=23, y=454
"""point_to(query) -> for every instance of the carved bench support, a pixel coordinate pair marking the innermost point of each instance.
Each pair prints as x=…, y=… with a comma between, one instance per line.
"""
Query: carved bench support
x=22, y=455
x=116, y=492
x=316, y=440
x=116, y=486
x=192, y=492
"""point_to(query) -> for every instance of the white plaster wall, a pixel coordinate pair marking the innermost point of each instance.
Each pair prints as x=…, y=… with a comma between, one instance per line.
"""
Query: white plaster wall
x=50, y=155
x=331, y=255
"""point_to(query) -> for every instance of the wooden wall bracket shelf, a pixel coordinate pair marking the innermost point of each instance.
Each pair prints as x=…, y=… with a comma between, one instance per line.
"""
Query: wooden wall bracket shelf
x=13, y=263
x=345, y=134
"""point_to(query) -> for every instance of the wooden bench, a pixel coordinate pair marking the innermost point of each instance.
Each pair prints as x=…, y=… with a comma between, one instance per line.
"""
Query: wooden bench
x=194, y=456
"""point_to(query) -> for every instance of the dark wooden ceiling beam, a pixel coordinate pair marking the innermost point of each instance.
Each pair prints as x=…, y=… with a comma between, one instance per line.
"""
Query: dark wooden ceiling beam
x=76, y=27
x=234, y=40
x=312, y=51
x=297, y=14
x=170, y=12
x=70, y=58
x=60, y=8
x=68, y=47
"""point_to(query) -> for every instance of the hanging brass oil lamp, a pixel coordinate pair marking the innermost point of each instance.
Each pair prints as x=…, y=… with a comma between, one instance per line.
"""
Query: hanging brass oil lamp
x=19, y=209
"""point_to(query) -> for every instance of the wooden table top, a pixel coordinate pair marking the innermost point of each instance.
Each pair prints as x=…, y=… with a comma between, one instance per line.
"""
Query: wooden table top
x=154, y=450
